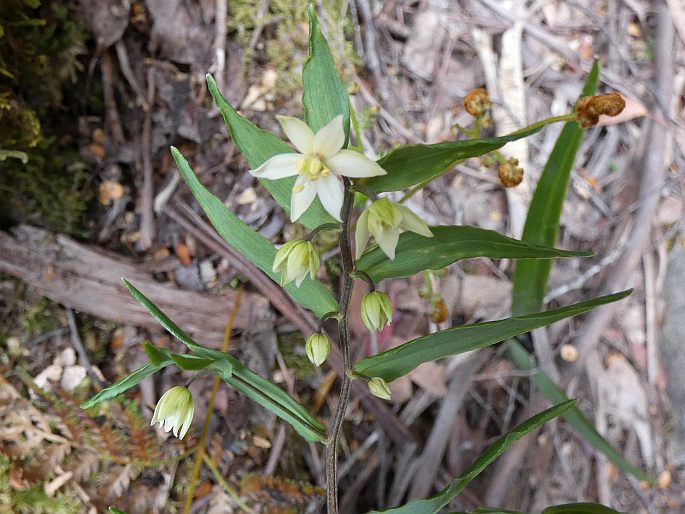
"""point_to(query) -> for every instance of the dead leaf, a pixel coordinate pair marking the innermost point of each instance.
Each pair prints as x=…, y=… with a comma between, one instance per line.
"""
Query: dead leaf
x=109, y=191
x=430, y=377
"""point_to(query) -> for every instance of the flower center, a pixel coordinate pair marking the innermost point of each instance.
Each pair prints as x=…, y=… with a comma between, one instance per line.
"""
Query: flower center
x=311, y=166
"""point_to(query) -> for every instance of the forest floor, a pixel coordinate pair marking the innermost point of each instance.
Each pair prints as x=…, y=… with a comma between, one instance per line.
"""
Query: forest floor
x=69, y=327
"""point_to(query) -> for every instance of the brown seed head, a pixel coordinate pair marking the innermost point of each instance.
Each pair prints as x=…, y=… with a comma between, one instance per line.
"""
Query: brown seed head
x=439, y=312
x=510, y=174
x=477, y=102
x=590, y=108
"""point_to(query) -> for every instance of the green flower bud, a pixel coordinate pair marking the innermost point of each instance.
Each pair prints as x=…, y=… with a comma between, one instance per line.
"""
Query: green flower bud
x=379, y=387
x=376, y=311
x=294, y=260
x=318, y=347
x=384, y=220
x=174, y=411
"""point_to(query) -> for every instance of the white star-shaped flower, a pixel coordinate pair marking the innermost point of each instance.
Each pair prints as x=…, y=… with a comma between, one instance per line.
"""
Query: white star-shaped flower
x=320, y=163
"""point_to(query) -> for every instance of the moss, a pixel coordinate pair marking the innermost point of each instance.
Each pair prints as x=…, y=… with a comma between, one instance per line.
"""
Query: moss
x=34, y=500
x=44, y=180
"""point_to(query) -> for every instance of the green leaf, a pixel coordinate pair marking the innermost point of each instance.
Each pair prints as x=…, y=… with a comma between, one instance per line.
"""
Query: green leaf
x=413, y=164
x=258, y=146
x=573, y=416
x=486, y=510
x=324, y=96
x=156, y=356
x=449, y=244
x=242, y=378
x=123, y=385
x=191, y=362
x=114, y=510
x=398, y=361
x=311, y=294
x=542, y=221
x=273, y=398
x=170, y=326
x=580, y=508
x=437, y=502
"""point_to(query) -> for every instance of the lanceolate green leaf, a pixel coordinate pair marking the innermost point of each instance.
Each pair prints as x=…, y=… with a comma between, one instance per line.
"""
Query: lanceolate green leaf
x=324, y=96
x=170, y=326
x=437, y=502
x=257, y=146
x=123, y=385
x=580, y=508
x=400, y=360
x=412, y=164
x=253, y=246
x=276, y=400
x=449, y=244
x=542, y=222
x=573, y=416
x=239, y=376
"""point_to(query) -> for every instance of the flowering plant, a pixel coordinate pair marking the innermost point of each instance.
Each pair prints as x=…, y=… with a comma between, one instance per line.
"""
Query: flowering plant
x=316, y=183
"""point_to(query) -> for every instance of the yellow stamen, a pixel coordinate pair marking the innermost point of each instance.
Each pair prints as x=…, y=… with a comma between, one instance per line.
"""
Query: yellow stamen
x=312, y=167
x=297, y=188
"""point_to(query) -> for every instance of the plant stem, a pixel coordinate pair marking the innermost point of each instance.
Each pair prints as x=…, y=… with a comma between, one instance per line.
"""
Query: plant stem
x=347, y=267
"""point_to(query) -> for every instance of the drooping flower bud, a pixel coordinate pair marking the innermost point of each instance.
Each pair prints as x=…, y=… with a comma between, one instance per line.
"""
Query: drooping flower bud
x=379, y=388
x=384, y=220
x=510, y=174
x=174, y=411
x=376, y=311
x=318, y=346
x=294, y=260
x=590, y=108
x=477, y=102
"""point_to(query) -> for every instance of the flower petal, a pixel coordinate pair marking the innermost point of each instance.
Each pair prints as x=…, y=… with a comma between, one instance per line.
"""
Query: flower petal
x=388, y=242
x=412, y=222
x=361, y=235
x=298, y=132
x=349, y=163
x=330, y=190
x=301, y=200
x=279, y=166
x=330, y=138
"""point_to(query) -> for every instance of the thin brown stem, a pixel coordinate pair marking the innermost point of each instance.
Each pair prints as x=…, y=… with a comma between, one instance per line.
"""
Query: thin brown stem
x=347, y=267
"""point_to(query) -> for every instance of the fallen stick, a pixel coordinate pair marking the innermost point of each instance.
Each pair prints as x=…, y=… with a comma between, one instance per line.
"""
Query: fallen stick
x=88, y=279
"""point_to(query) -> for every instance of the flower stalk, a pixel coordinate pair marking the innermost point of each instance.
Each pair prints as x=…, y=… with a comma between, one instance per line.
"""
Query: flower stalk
x=344, y=336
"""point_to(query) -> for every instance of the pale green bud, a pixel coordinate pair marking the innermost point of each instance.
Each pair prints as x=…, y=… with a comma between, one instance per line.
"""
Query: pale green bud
x=174, y=411
x=318, y=347
x=384, y=220
x=376, y=311
x=379, y=387
x=294, y=260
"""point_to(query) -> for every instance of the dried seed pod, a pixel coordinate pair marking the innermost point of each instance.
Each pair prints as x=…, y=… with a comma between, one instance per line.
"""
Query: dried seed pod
x=590, y=108
x=477, y=102
x=510, y=174
x=439, y=312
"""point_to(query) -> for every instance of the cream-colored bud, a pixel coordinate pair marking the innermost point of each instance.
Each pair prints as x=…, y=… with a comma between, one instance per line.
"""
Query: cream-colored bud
x=376, y=311
x=174, y=411
x=295, y=260
x=379, y=388
x=318, y=346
